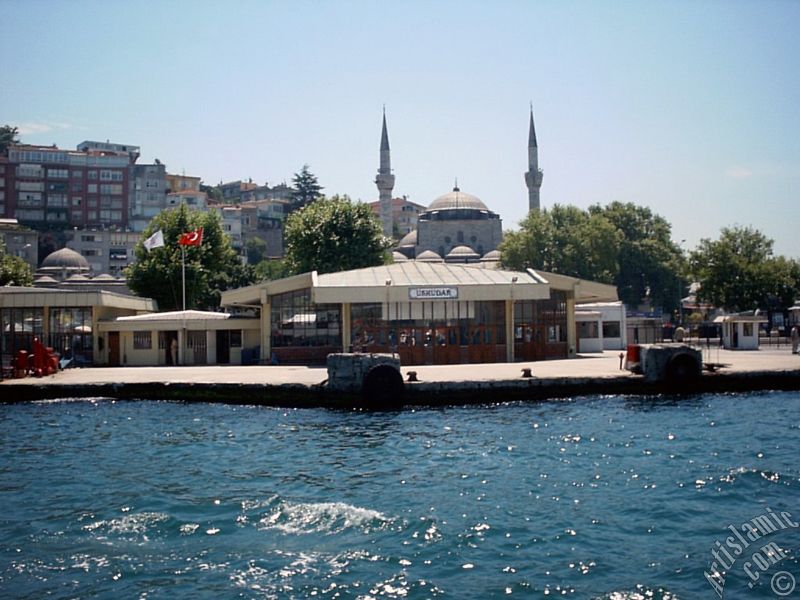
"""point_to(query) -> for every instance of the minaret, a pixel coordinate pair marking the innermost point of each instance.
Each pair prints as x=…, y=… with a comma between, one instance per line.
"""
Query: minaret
x=385, y=182
x=533, y=178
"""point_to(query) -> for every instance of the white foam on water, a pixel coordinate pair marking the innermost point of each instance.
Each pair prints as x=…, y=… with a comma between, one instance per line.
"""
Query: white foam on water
x=189, y=528
x=136, y=523
x=296, y=572
x=88, y=399
x=322, y=517
x=640, y=593
x=87, y=563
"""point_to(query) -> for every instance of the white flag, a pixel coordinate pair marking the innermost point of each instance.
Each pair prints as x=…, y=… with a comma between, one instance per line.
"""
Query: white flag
x=154, y=241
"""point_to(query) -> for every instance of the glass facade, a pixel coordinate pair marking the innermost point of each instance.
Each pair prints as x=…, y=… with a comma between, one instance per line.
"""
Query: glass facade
x=431, y=332
x=540, y=328
x=303, y=332
x=421, y=332
x=71, y=333
x=20, y=326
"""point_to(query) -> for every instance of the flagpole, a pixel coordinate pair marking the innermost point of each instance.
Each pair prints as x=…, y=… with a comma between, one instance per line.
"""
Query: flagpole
x=183, y=275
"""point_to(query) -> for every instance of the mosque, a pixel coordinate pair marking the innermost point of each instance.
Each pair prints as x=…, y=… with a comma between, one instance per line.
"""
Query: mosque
x=457, y=227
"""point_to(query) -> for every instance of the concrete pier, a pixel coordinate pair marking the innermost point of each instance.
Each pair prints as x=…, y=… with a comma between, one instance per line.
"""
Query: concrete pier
x=301, y=387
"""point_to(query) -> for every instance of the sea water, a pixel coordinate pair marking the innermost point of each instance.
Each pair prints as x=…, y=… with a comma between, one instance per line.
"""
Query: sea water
x=594, y=497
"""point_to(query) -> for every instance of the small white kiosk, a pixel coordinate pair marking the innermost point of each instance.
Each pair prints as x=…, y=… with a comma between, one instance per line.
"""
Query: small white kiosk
x=740, y=332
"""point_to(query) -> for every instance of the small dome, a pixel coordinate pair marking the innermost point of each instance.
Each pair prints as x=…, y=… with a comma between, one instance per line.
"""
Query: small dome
x=399, y=256
x=78, y=277
x=105, y=277
x=490, y=256
x=462, y=251
x=66, y=258
x=457, y=199
x=44, y=280
x=461, y=254
x=409, y=241
x=429, y=256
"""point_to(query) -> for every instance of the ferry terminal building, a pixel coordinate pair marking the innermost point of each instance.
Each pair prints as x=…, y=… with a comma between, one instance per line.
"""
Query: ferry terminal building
x=429, y=313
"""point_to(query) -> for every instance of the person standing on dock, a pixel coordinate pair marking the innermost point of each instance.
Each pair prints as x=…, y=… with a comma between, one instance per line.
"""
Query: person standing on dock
x=795, y=335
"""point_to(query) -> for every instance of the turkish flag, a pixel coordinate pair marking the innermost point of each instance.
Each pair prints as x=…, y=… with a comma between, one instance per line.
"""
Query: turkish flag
x=193, y=238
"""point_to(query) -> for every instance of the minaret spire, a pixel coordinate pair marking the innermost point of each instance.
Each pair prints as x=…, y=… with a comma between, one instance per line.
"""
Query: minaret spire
x=532, y=132
x=385, y=180
x=534, y=175
x=384, y=134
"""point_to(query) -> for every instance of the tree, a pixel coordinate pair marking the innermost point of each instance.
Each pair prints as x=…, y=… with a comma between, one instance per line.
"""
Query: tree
x=213, y=191
x=13, y=269
x=269, y=270
x=305, y=189
x=334, y=235
x=623, y=244
x=648, y=258
x=563, y=240
x=8, y=136
x=211, y=267
x=256, y=250
x=738, y=271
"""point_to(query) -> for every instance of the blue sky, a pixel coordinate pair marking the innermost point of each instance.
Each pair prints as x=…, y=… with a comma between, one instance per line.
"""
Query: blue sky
x=689, y=108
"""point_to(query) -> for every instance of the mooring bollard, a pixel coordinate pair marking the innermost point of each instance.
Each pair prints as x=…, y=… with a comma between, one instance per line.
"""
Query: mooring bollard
x=526, y=373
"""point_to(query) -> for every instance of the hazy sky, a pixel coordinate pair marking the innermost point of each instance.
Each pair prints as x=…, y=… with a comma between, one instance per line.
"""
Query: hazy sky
x=691, y=108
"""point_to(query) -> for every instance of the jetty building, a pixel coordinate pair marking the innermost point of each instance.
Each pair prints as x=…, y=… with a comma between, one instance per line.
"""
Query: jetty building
x=429, y=313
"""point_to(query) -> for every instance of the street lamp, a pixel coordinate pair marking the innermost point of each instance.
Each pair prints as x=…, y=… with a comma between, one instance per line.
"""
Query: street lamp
x=388, y=283
x=680, y=288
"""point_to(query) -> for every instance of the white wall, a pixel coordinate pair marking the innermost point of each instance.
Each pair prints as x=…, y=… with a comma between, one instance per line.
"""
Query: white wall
x=592, y=343
x=609, y=312
x=130, y=357
x=735, y=329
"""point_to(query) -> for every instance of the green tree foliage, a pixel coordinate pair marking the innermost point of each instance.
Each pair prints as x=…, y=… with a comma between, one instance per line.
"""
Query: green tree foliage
x=622, y=244
x=648, y=258
x=13, y=269
x=269, y=270
x=305, y=189
x=564, y=240
x=213, y=192
x=256, y=249
x=739, y=272
x=334, y=235
x=210, y=268
x=8, y=136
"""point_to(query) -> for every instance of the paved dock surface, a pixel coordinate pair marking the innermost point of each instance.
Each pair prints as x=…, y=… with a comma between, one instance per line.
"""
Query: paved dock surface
x=595, y=366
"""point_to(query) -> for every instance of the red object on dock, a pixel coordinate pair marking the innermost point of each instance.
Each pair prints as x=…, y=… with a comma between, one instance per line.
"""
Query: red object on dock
x=45, y=361
x=634, y=353
x=20, y=364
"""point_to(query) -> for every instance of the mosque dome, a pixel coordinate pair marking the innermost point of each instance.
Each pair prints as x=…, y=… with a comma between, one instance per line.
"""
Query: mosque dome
x=66, y=259
x=429, y=256
x=44, y=281
x=462, y=254
x=457, y=200
x=409, y=241
x=399, y=256
x=490, y=256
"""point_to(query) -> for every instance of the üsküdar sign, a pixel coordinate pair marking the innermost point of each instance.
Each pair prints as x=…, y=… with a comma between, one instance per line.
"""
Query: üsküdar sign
x=433, y=293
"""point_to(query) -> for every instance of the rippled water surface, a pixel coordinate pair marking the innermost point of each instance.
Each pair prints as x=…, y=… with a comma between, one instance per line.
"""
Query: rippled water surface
x=599, y=497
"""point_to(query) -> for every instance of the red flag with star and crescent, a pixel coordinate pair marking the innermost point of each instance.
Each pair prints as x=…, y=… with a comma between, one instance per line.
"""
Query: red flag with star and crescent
x=192, y=238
